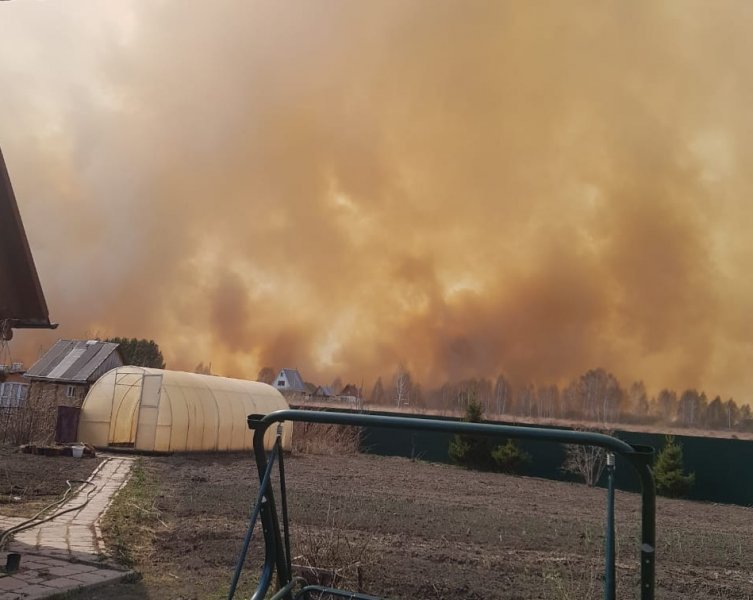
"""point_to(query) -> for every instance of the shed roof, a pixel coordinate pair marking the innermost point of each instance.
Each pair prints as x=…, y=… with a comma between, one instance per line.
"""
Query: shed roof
x=350, y=390
x=72, y=360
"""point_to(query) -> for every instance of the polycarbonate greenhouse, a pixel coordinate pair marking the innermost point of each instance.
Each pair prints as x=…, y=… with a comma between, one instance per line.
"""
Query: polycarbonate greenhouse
x=172, y=411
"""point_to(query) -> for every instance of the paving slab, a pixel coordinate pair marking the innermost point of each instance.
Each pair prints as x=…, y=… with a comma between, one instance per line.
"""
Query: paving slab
x=67, y=553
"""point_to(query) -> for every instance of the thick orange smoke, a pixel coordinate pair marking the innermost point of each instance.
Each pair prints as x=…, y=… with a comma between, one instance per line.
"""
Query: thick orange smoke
x=466, y=188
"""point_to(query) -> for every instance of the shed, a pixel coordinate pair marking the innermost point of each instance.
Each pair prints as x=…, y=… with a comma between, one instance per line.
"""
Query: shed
x=171, y=411
x=64, y=374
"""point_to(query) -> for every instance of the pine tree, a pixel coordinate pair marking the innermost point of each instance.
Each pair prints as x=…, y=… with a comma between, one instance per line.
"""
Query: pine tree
x=510, y=458
x=472, y=451
x=668, y=471
x=479, y=452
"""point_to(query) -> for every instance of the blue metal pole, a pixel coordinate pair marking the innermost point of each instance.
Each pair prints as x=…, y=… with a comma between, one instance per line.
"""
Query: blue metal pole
x=263, y=485
x=610, y=580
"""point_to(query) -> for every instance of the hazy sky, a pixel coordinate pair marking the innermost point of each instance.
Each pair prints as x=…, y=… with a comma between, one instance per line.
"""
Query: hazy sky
x=534, y=188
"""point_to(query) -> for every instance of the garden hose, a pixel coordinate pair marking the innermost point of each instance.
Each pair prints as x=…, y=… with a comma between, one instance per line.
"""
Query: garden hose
x=36, y=520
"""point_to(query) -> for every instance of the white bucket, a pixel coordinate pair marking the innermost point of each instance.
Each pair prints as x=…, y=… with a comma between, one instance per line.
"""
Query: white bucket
x=78, y=451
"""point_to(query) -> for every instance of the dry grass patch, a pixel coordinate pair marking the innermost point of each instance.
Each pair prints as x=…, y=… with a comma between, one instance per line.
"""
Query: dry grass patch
x=130, y=523
x=321, y=438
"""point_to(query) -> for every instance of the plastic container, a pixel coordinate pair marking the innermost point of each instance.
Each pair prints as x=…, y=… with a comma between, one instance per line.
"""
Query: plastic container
x=12, y=562
x=78, y=451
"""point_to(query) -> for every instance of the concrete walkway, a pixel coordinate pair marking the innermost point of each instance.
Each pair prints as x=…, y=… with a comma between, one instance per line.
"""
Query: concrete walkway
x=67, y=553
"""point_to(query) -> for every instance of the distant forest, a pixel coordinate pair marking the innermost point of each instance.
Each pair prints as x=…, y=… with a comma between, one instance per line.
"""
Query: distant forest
x=595, y=396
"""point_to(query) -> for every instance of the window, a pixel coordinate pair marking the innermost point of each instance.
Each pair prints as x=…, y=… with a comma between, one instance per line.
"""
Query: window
x=70, y=391
x=281, y=383
x=12, y=394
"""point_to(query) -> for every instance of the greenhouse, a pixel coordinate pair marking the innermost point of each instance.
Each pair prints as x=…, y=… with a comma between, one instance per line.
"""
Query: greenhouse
x=171, y=411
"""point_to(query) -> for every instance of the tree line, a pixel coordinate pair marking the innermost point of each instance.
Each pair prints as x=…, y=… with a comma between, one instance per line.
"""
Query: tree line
x=595, y=396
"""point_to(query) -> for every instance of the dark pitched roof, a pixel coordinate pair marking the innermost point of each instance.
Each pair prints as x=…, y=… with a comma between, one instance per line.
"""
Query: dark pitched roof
x=324, y=390
x=295, y=381
x=72, y=360
x=22, y=302
x=350, y=390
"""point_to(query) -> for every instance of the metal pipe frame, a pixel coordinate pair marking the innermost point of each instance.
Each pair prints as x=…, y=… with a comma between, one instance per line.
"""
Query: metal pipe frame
x=639, y=457
x=270, y=550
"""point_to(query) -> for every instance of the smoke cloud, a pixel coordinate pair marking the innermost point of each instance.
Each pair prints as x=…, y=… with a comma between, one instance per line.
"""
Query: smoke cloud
x=466, y=188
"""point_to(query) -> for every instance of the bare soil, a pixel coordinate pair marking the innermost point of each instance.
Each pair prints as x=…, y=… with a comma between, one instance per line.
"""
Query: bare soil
x=28, y=482
x=430, y=531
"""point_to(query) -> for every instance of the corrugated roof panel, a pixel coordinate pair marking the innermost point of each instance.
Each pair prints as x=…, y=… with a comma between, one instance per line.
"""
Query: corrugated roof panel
x=72, y=360
x=50, y=358
x=66, y=363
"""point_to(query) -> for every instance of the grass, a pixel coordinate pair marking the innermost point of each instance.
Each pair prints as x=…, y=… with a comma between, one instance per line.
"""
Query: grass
x=132, y=519
x=326, y=439
x=331, y=552
x=576, y=576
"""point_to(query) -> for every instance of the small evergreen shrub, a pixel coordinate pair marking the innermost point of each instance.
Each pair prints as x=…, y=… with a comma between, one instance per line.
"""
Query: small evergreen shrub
x=471, y=451
x=510, y=458
x=668, y=471
x=478, y=451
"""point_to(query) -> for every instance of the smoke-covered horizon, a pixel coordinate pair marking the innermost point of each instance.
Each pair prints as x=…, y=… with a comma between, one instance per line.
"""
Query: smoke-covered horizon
x=465, y=188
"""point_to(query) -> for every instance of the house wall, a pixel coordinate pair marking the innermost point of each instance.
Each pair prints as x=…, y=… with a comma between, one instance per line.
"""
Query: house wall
x=281, y=381
x=34, y=421
x=55, y=394
x=111, y=362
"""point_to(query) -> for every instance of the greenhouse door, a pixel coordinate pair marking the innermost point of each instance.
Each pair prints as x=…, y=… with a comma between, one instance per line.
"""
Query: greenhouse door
x=146, y=429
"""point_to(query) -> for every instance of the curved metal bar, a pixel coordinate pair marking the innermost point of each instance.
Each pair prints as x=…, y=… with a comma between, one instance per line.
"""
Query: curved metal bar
x=285, y=520
x=252, y=523
x=270, y=551
x=270, y=521
x=285, y=591
x=584, y=438
x=639, y=457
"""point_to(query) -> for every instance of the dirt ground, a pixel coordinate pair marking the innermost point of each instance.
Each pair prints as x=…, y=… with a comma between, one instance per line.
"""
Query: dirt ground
x=431, y=531
x=28, y=483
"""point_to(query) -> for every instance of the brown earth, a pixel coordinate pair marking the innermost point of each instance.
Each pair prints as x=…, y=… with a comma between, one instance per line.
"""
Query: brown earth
x=431, y=531
x=28, y=483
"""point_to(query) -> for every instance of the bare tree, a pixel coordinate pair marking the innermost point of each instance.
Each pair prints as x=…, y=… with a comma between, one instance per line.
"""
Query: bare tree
x=203, y=369
x=401, y=386
x=502, y=395
x=587, y=462
x=549, y=399
x=527, y=401
x=377, y=393
x=666, y=405
x=637, y=399
x=601, y=395
x=266, y=375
